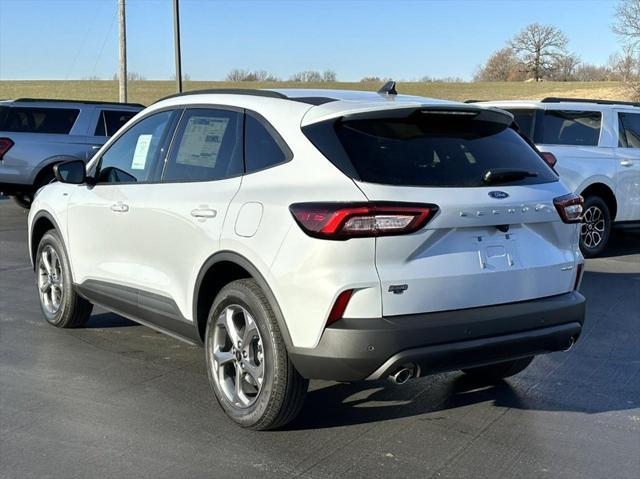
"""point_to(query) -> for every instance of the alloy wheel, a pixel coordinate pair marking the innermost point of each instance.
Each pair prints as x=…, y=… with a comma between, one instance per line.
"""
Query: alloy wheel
x=237, y=356
x=593, y=227
x=50, y=284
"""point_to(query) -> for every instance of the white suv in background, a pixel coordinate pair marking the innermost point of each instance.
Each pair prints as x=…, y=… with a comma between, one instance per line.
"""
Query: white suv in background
x=304, y=234
x=597, y=147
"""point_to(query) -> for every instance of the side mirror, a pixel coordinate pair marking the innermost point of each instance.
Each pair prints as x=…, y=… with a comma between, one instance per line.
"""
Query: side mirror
x=74, y=172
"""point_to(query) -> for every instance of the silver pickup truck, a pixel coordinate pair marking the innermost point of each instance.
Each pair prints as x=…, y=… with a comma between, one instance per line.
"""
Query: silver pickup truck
x=35, y=134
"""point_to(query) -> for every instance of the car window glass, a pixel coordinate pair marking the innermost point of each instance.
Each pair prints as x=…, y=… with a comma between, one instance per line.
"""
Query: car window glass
x=629, y=126
x=207, y=146
x=261, y=149
x=571, y=127
x=38, y=120
x=524, y=120
x=134, y=155
x=110, y=121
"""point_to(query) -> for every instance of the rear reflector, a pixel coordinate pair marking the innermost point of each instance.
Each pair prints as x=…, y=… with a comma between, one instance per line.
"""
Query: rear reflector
x=5, y=145
x=550, y=159
x=579, y=271
x=569, y=207
x=341, y=221
x=339, y=306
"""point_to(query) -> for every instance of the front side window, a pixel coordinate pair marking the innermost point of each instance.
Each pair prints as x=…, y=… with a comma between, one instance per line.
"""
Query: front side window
x=629, y=130
x=38, y=120
x=207, y=147
x=135, y=156
x=110, y=121
x=261, y=150
x=566, y=127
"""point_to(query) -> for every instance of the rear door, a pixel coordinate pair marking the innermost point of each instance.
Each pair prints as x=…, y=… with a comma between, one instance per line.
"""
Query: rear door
x=496, y=241
x=628, y=164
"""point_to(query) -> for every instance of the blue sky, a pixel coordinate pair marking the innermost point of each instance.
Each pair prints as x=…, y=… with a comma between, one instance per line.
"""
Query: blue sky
x=72, y=39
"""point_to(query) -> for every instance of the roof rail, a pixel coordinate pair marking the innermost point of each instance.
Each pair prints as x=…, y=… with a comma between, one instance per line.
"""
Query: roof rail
x=553, y=99
x=86, y=102
x=473, y=101
x=228, y=91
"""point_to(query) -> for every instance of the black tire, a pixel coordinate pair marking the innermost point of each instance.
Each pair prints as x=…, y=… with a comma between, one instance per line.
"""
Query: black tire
x=23, y=200
x=72, y=311
x=281, y=395
x=495, y=372
x=595, y=228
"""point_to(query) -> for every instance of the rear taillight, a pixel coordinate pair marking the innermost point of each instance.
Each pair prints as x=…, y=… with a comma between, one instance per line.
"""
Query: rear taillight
x=550, y=159
x=341, y=221
x=569, y=207
x=5, y=145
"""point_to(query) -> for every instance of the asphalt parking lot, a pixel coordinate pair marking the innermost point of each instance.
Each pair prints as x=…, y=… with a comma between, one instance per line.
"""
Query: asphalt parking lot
x=119, y=400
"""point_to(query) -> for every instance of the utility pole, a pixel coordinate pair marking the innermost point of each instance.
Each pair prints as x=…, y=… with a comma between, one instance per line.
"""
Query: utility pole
x=122, y=77
x=176, y=38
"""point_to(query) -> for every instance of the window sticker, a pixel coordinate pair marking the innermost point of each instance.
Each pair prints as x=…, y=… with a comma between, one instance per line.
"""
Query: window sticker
x=141, y=152
x=201, y=141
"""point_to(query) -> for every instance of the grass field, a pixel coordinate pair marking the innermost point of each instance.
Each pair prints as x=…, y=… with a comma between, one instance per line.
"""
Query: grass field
x=147, y=92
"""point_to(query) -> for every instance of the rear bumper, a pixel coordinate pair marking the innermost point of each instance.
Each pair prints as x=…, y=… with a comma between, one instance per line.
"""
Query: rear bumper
x=357, y=349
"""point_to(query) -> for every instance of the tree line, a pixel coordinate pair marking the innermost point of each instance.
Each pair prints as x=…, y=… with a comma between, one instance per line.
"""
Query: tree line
x=540, y=52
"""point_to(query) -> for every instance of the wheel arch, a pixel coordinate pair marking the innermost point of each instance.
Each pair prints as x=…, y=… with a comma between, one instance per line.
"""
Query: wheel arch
x=606, y=193
x=43, y=221
x=219, y=270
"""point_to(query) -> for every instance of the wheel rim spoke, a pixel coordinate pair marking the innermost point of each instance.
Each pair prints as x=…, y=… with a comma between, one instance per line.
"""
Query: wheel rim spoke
x=237, y=356
x=50, y=284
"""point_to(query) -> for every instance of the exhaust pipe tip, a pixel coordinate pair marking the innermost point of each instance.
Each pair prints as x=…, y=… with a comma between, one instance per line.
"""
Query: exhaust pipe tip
x=402, y=375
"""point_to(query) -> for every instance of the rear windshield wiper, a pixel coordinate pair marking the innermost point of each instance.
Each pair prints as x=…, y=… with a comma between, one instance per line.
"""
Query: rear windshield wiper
x=506, y=175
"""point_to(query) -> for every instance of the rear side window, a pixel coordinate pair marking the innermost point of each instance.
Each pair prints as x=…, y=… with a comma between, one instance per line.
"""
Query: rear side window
x=436, y=150
x=207, y=146
x=261, y=148
x=629, y=130
x=564, y=127
x=38, y=120
x=525, y=121
x=110, y=121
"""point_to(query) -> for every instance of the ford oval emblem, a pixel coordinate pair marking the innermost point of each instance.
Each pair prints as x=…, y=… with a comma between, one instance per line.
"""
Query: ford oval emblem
x=498, y=195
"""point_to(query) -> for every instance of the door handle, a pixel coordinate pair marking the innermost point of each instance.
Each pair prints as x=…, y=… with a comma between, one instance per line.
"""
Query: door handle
x=119, y=207
x=626, y=163
x=203, y=213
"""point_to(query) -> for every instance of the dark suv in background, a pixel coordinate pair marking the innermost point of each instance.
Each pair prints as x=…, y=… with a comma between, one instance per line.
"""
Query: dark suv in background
x=36, y=134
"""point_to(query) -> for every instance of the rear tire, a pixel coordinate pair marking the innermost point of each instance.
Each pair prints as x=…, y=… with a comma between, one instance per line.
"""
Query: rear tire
x=495, y=372
x=595, y=227
x=60, y=304
x=249, y=369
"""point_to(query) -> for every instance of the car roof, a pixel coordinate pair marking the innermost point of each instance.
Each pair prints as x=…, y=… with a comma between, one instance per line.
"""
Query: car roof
x=319, y=104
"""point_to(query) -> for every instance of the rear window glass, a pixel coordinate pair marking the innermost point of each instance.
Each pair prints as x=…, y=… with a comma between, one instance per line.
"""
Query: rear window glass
x=629, y=130
x=437, y=150
x=38, y=120
x=564, y=127
x=260, y=148
x=525, y=121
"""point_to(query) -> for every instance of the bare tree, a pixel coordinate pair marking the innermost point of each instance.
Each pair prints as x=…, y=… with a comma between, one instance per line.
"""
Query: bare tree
x=628, y=24
x=565, y=66
x=625, y=64
x=328, y=76
x=503, y=65
x=239, y=75
x=538, y=47
x=589, y=72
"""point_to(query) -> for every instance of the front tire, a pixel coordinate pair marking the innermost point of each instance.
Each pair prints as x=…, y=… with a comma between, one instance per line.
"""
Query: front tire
x=60, y=304
x=595, y=227
x=493, y=373
x=249, y=369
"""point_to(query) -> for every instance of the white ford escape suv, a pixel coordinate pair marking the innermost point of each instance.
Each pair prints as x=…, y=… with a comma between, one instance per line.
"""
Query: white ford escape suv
x=304, y=234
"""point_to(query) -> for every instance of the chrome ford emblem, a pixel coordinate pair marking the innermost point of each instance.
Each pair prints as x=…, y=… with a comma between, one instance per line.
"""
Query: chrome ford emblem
x=498, y=195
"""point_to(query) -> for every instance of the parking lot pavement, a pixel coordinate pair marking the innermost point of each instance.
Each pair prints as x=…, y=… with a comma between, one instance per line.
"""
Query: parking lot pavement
x=116, y=399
